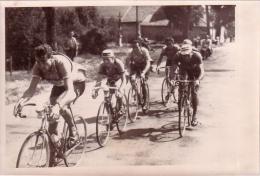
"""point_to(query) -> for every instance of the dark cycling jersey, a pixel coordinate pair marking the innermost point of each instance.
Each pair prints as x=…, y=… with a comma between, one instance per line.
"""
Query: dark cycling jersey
x=113, y=71
x=188, y=63
x=169, y=52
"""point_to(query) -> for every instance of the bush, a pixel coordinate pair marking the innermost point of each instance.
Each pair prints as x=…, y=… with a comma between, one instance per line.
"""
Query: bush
x=93, y=41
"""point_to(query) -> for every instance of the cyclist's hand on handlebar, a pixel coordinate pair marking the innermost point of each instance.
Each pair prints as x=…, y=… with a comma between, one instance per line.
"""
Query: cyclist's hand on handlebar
x=18, y=108
x=196, y=82
x=94, y=94
x=142, y=75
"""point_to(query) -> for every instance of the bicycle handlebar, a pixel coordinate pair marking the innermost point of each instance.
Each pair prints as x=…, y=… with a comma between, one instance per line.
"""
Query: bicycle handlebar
x=20, y=114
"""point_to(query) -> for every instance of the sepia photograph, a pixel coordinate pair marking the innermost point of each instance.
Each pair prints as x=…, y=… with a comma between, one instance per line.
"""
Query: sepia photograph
x=143, y=87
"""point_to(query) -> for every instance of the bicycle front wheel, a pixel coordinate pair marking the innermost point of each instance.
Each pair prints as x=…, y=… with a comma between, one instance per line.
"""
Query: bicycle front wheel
x=73, y=156
x=184, y=116
x=133, y=104
x=165, y=91
x=35, y=151
x=103, y=124
x=145, y=98
x=122, y=120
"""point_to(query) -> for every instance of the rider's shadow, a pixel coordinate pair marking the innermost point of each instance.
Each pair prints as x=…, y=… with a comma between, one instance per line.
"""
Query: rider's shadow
x=166, y=133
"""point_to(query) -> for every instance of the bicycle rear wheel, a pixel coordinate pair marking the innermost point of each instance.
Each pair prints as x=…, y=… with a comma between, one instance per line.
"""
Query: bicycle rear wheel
x=103, y=124
x=184, y=116
x=73, y=156
x=133, y=105
x=35, y=151
x=122, y=121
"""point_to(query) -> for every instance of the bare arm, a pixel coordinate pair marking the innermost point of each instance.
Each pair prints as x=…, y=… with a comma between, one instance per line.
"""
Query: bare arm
x=31, y=90
x=201, y=67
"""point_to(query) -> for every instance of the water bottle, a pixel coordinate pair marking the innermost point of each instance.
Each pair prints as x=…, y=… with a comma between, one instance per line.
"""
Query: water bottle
x=56, y=140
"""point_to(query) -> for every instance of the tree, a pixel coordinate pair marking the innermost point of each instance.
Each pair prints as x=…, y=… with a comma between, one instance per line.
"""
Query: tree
x=224, y=15
x=50, y=16
x=184, y=17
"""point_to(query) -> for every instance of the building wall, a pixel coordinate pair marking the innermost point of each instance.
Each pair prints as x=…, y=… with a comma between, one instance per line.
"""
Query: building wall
x=128, y=32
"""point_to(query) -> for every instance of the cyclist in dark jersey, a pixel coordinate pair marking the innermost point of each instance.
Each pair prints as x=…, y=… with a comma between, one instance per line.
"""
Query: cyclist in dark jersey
x=111, y=68
x=169, y=51
x=190, y=66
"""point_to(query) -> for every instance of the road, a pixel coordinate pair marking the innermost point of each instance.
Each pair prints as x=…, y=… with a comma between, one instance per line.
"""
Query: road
x=225, y=142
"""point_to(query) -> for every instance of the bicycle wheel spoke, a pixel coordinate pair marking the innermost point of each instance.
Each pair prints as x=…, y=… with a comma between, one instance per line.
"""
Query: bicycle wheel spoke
x=102, y=125
x=133, y=106
x=34, y=152
x=73, y=155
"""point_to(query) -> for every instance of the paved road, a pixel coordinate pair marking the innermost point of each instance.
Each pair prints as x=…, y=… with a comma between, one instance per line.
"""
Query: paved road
x=225, y=142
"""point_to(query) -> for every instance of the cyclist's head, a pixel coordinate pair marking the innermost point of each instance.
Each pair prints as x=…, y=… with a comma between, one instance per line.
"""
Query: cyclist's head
x=187, y=42
x=42, y=55
x=42, y=52
x=169, y=41
x=136, y=44
x=108, y=55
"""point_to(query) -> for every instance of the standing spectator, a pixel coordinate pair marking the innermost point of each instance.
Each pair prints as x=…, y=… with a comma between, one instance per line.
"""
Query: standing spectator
x=71, y=46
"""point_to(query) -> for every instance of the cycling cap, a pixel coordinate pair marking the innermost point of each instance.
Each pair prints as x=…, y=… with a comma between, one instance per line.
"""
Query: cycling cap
x=43, y=49
x=108, y=53
x=187, y=41
x=186, y=49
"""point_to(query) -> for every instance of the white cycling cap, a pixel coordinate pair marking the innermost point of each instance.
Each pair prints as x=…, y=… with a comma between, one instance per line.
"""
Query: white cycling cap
x=108, y=53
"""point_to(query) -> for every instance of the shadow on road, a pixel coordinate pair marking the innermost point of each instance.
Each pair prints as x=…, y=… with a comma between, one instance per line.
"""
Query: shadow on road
x=166, y=133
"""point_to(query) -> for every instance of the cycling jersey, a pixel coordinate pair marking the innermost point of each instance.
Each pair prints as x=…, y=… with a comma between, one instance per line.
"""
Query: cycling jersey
x=113, y=71
x=188, y=63
x=139, y=57
x=61, y=68
x=169, y=52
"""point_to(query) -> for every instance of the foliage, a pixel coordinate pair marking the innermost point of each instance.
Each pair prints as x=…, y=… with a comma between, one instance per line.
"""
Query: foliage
x=224, y=15
x=184, y=17
x=28, y=27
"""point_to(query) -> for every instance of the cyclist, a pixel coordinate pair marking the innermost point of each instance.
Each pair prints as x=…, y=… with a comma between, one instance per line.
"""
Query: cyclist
x=169, y=51
x=138, y=62
x=190, y=66
x=112, y=68
x=68, y=79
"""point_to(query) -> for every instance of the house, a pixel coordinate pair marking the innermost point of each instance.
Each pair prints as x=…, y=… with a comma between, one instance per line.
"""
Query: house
x=155, y=25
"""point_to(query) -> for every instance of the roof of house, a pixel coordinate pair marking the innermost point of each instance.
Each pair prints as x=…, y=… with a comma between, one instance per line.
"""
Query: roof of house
x=149, y=22
x=143, y=12
x=111, y=11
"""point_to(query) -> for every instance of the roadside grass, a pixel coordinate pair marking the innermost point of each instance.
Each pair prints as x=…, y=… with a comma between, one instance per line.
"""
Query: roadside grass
x=16, y=84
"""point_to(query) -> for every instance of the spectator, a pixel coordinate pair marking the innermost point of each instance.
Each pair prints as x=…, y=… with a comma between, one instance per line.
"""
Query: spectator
x=71, y=46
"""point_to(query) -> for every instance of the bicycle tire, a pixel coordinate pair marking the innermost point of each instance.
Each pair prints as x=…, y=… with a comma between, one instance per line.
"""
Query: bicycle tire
x=165, y=86
x=133, y=105
x=147, y=99
x=73, y=156
x=102, y=135
x=184, y=116
x=122, y=121
x=38, y=145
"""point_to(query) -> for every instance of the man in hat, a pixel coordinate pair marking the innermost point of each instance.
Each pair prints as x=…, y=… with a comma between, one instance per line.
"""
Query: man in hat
x=111, y=68
x=190, y=66
x=72, y=46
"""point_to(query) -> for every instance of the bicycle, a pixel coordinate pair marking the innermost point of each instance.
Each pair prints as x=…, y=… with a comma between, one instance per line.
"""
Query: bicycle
x=169, y=89
x=108, y=115
x=184, y=105
x=136, y=98
x=40, y=143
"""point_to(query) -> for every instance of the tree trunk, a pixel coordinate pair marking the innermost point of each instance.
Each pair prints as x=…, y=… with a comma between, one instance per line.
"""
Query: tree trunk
x=207, y=16
x=50, y=27
x=187, y=23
